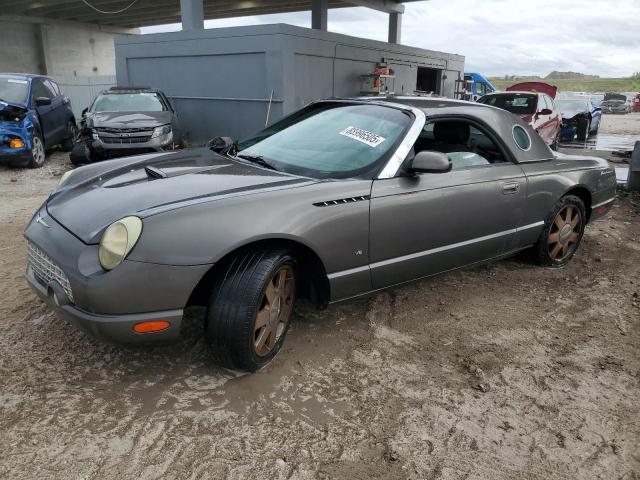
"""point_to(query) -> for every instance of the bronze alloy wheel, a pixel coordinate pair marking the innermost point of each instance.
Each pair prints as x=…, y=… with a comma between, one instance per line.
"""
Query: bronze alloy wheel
x=565, y=233
x=275, y=311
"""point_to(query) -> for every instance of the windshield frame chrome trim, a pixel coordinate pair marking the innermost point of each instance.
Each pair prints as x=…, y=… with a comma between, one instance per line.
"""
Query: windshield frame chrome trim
x=390, y=170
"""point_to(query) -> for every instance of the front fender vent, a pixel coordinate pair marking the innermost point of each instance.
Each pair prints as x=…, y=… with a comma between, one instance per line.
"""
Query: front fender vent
x=341, y=201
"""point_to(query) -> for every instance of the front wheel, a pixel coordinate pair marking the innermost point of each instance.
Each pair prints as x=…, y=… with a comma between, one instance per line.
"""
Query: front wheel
x=562, y=233
x=583, y=130
x=38, y=154
x=251, y=308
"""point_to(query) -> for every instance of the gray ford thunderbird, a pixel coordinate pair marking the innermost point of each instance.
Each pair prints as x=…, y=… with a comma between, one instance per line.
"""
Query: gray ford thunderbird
x=338, y=200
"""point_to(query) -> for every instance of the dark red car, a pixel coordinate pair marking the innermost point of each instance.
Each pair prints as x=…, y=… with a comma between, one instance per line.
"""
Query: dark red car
x=635, y=103
x=534, y=103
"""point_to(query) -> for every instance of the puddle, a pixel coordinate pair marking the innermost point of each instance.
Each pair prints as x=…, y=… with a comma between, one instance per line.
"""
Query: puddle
x=607, y=142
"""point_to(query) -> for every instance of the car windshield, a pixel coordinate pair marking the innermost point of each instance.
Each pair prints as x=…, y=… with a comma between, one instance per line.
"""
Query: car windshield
x=572, y=105
x=128, y=102
x=330, y=141
x=14, y=90
x=519, y=103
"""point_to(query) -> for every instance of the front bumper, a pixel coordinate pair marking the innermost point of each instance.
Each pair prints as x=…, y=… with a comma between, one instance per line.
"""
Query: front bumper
x=113, y=146
x=106, y=304
x=14, y=156
x=110, y=328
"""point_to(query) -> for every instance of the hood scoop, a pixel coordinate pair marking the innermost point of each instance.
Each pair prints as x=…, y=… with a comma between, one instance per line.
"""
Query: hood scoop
x=154, y=173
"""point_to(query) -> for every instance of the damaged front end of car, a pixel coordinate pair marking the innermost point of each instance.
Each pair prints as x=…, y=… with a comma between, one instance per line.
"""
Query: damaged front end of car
x=16, y=134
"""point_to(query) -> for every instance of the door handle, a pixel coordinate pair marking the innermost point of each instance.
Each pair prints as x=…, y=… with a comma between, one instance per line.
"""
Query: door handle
x=510, y=188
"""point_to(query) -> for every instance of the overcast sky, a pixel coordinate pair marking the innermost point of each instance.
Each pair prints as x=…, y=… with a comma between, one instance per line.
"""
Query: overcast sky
x=499, y=37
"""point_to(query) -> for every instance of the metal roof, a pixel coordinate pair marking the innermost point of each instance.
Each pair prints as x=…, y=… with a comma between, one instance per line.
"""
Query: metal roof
x=157, y=12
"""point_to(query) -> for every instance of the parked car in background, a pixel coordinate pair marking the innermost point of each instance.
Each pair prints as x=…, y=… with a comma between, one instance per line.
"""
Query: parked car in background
x=615, y=103
x=478, y=85
x=536, y=108
x=126, y=121
x=34, y=116
x=338, y=200
x=580, y=118
x=635, y=103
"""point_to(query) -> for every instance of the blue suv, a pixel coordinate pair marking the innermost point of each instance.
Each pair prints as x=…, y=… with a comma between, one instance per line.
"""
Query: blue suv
x=34, y=116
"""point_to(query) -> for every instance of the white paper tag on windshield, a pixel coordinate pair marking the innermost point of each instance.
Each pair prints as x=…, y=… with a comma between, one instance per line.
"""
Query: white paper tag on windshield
x=15, y=80
x=368, y=138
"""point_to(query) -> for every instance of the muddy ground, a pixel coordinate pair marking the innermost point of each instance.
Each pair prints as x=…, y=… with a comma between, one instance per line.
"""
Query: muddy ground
x=508, y=371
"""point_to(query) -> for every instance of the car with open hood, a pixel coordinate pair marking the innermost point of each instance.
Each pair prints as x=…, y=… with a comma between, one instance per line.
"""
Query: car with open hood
x=534, y=103
x=336, y=201
x=124, y=121
x=580, y=118
x=615, y=103
x=34, y=117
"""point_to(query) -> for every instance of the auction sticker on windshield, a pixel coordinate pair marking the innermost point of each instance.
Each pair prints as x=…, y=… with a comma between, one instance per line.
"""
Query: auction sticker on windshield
x=368, y=138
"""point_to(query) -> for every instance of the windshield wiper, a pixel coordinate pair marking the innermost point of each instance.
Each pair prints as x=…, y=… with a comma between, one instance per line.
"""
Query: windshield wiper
x=256, y=159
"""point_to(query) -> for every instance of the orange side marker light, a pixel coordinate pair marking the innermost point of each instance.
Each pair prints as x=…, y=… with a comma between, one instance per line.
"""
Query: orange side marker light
x=151, y=326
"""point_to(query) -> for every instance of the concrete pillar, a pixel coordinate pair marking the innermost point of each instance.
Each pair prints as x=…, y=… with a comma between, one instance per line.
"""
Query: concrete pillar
x=395, y=27
x=319, y=14
x=192, y=13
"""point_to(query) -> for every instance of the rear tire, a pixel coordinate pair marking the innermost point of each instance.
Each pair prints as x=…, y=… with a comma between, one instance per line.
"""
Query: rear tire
x=38, y=153
x=250, y=309
x=71, y=138
x=562, y=233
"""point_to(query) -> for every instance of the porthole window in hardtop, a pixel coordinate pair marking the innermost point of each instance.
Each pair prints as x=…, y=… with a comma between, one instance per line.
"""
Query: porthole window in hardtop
x=521, y=137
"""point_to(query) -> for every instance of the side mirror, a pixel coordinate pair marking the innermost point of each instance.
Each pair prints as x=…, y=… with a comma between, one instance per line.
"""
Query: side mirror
x=430, y=162
x=84, y=112
x=222, y=145
x=40, y=101
x=545, y=111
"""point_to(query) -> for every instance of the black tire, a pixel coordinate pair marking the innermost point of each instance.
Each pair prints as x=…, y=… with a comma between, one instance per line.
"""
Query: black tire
x=239, y=295
x=80, y=154
x=583, y=130
x=545, y=246
x=38, y=152
x=71, y=137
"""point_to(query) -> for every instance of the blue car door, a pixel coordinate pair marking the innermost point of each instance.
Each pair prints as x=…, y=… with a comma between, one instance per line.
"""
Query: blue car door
x=47, y=114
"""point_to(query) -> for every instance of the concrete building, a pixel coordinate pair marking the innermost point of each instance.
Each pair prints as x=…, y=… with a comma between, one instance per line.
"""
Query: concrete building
x=224, y=81
x=57, y=47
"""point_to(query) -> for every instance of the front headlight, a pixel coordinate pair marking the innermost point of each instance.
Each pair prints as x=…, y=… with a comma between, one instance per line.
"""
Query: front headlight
x=160, y=131
x=118, y=240
x=65, y=177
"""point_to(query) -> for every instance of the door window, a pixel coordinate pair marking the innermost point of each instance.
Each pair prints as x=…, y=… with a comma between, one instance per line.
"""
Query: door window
x=53, y=87
x=465, y=144
x=39, y=89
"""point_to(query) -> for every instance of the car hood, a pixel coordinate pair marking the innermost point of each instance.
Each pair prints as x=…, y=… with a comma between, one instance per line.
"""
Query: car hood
x=128, y=119
x=99, y=194
x=550, y=90
x=11, y=112
x=615, y=96
x=573, y=112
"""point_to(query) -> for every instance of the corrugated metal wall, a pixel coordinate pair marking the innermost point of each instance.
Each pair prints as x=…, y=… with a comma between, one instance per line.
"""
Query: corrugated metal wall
x=83, y=89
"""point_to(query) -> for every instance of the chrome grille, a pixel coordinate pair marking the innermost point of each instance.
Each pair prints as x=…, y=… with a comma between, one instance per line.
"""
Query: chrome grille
x=46, y=270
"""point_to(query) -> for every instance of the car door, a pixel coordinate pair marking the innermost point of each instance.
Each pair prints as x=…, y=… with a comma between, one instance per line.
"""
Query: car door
x=556, y=119
x=541, y=121
x=432, y=222
x=46, y=113
x=61, y=107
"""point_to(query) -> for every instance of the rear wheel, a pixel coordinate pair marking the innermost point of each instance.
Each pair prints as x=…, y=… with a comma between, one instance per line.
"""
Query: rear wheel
x=251, y=308
x=562, y=233
x=38, y=154
x=71, y=138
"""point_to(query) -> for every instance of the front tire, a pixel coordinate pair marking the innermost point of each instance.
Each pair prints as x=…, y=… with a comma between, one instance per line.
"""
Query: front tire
x=562, y=233
x=583, y=130
x=38, y=153
x=250, y=309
